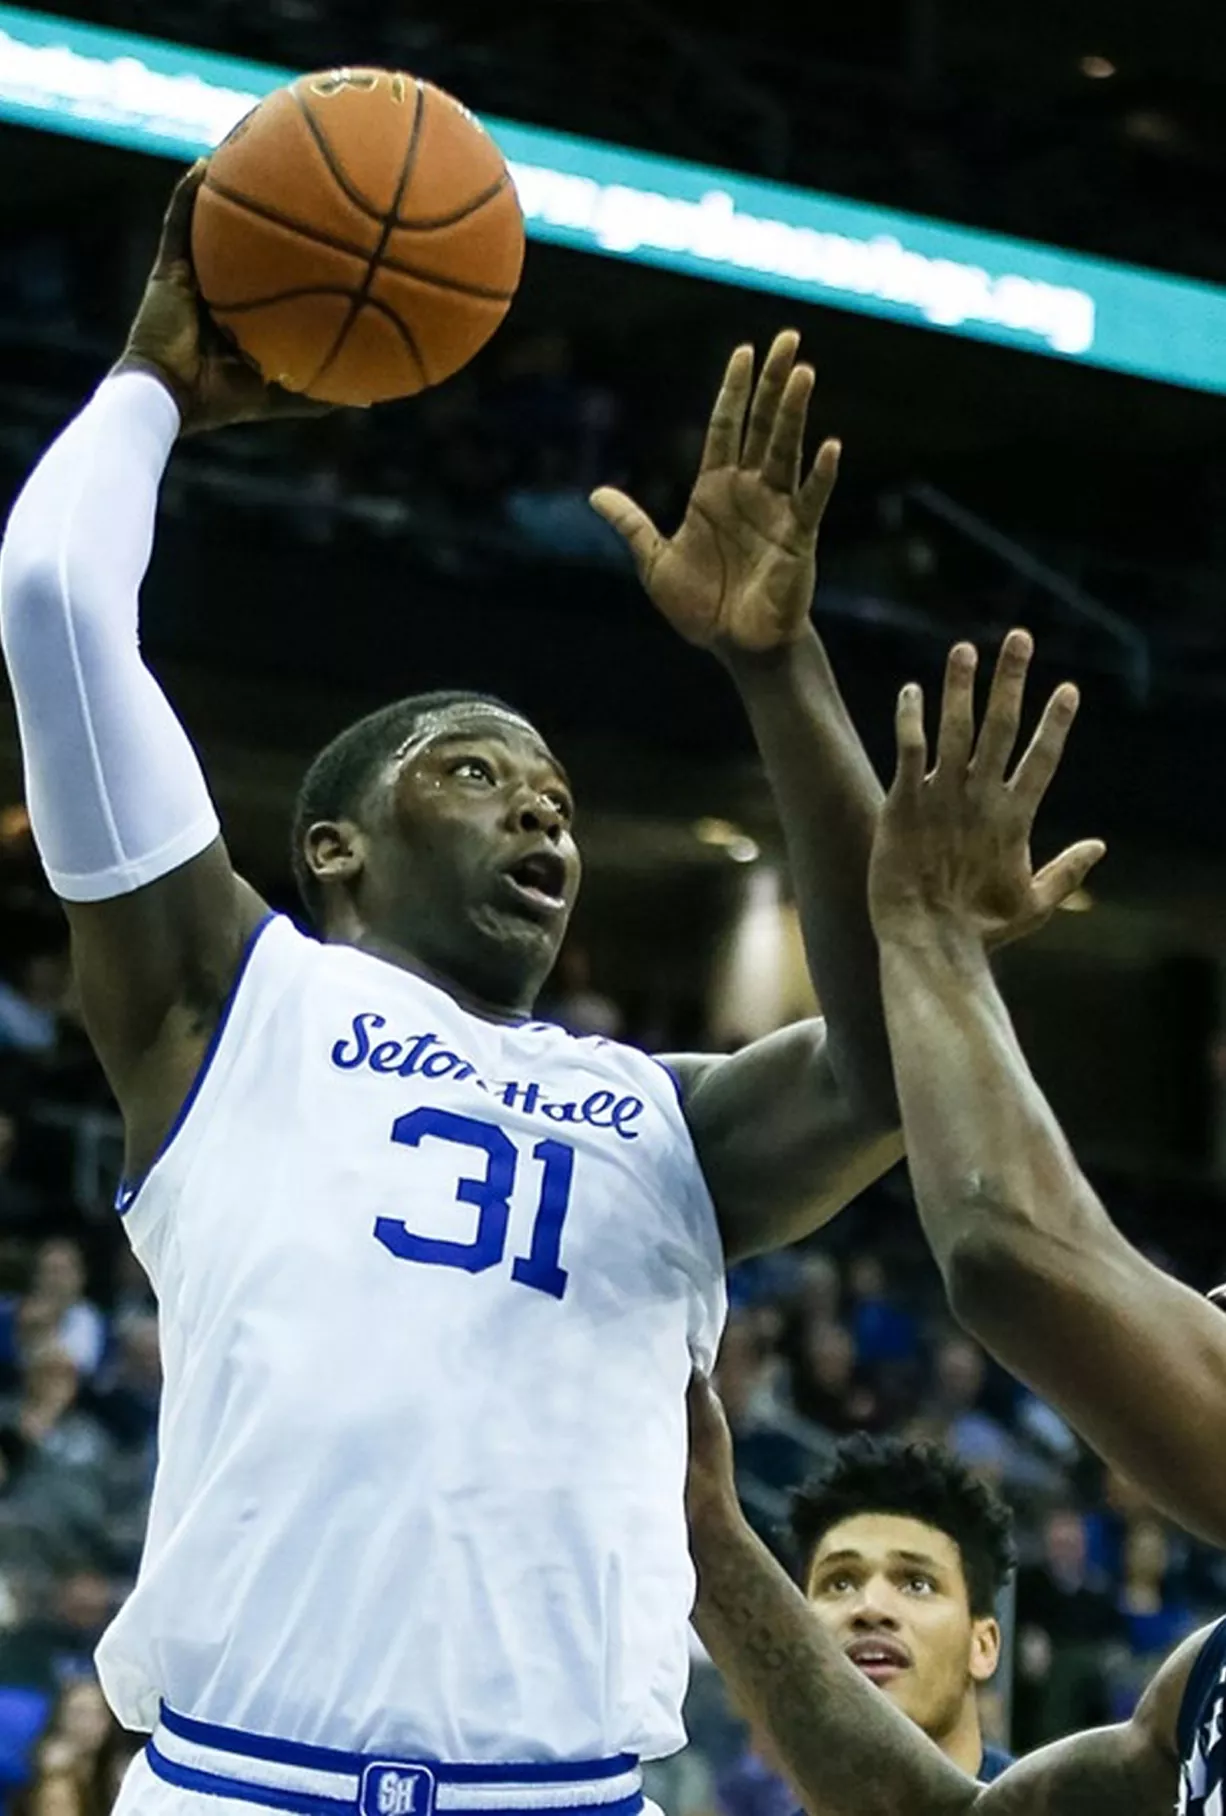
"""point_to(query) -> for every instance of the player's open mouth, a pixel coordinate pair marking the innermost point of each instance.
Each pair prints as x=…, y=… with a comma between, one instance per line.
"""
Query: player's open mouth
x=880, y=1660
x=538, y=882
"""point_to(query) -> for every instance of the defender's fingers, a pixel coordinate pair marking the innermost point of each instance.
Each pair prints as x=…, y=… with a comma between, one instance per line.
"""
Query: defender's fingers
x=1033, y=775
x=772, y=383
x=723, y=443
x=998, y=733
x=1065, y=874
x=956, y=736
x=912, y=763
x=786, y=447
x=174, y=246
x=631, y=522
x=814, y=494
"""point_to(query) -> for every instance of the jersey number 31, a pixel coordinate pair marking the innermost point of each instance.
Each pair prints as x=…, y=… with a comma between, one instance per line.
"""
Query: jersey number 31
x=491, y=1195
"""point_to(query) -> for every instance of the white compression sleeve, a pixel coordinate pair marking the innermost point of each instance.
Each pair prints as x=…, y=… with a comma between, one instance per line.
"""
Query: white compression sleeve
x=115, y=792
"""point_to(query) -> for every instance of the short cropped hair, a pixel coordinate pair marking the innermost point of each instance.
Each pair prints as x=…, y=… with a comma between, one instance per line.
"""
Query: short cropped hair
x=921, y=1482
x=336, y=783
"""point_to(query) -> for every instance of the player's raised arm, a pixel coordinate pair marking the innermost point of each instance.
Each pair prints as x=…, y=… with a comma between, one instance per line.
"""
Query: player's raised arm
x=792, y=1128
x=120, y=810
x=1032, y=1263
x=844, y=1746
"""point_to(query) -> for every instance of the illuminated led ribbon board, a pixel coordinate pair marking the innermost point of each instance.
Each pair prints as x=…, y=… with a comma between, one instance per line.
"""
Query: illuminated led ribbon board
x=177, y=102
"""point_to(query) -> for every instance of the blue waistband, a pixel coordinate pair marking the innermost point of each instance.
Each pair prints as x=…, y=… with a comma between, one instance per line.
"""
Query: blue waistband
x=331, y=1759
x=303, y=1780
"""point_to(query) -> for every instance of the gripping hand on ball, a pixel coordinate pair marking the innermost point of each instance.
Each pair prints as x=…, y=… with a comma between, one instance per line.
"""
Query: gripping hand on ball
x=952, y=848
x=738, y=576
x=173, y=338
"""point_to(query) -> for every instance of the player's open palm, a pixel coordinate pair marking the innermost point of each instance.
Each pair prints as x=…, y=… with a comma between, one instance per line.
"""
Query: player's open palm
x=738, y=576
x=953, y=842
x=173, y=335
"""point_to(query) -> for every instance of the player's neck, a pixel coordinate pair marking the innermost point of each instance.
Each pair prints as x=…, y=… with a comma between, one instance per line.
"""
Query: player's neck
x=963, y=1744
x=472, y=1001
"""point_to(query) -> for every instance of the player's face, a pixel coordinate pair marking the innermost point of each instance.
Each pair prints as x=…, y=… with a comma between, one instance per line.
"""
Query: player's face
x=474, y=863
x=893, y=1592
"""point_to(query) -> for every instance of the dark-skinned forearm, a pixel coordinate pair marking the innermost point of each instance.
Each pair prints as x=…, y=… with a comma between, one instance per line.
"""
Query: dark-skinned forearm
x=1033, y=1265
x=828, y=799
x=844, y=1746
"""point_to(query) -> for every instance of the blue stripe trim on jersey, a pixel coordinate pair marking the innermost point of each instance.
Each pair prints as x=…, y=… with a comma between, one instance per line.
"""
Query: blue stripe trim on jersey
x=332, y=1759
x=673, y=1078
x=129, y=1190
x=187, y=1778
x=309, y=1803
x=260, y=1746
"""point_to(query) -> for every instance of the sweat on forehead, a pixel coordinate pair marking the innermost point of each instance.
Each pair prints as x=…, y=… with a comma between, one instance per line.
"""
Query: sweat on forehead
x=472, y=716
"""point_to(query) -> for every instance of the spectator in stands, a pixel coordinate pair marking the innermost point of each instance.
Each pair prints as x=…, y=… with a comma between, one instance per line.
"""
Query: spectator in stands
x=72, y=1767
x=30, y=1005
x=745, y=1374
x=54, y=1645
x=55, y=1488
x=886, y=1337
x=772, y=1448
x=817, y=1293
x=126, y=1391
x=59, y=1282
x=1069, y=1634
x=882, y=1330
x=954, y=1414
x=827, y=1386
x=1155, y=1613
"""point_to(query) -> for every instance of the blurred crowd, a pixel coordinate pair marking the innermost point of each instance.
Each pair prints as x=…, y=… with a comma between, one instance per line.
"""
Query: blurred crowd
x=847, y=1333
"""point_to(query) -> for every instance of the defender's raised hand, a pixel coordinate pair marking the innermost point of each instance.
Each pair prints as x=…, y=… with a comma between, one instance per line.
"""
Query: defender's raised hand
x=174, y=338
x=953, y=843
x=739, y=574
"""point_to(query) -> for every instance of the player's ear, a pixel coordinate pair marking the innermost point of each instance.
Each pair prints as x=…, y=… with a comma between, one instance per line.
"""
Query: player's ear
x=985, y=1648
x=335, y=851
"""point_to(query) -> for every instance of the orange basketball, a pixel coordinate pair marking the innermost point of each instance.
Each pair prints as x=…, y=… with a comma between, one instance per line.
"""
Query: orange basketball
x=358, y=235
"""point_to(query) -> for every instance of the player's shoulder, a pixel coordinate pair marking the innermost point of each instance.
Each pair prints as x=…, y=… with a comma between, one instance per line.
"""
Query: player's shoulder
x=1186, y=1695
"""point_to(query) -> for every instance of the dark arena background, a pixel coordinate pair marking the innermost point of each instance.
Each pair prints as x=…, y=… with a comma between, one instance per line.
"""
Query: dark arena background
x=998, y=470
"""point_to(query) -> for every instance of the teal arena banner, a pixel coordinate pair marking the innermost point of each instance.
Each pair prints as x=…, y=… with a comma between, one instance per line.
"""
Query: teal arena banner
x=176, y=102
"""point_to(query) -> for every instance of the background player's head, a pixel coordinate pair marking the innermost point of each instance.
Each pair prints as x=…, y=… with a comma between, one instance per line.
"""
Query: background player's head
x=441, y=826
x=903, y=1553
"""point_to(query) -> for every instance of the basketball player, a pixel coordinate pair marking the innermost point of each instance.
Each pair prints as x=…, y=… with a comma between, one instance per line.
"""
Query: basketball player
x=1136, y=1361
x=904, y=1555
x=431, y=1273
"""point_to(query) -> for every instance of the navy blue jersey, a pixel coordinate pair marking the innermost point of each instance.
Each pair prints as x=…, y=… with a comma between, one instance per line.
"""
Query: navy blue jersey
x=1202, y=1732
x=994, y=1761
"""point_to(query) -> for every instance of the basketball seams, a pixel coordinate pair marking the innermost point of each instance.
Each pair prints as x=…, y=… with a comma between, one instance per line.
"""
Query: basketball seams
x=265, y=211
x=421, y=225
x=361, y=295
x=283, y=296
x=326, y=152
x=335, y=244
x=289, y=304
x=402, y=327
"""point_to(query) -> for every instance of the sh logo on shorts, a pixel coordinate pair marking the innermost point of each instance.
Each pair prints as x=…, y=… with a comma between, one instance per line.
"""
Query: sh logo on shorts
x=396, y=1790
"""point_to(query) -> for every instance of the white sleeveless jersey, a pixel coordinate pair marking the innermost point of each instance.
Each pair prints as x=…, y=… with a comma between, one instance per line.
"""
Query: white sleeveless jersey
x=429, y=1291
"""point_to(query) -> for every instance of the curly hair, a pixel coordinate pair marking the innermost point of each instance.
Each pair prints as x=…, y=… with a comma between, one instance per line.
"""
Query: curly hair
x=921, y=1482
